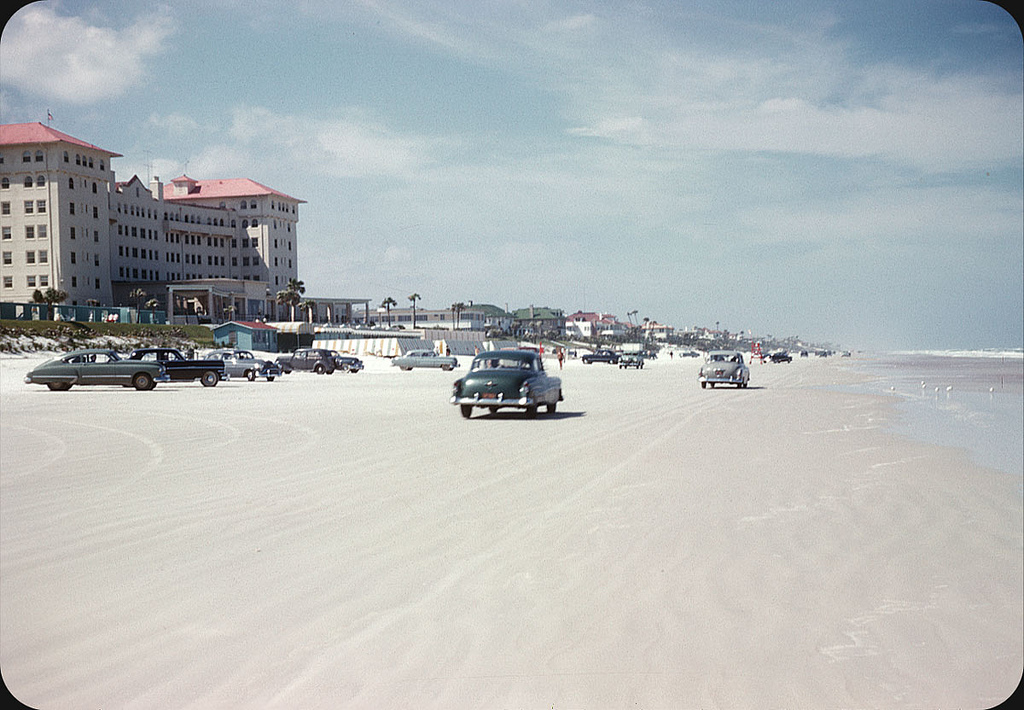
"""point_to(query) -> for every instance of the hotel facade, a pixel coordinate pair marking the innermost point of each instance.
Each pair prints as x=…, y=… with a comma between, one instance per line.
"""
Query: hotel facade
x=205, y=249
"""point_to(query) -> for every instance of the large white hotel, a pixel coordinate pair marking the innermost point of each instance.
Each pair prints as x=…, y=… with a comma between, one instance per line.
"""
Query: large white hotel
x=201, y=247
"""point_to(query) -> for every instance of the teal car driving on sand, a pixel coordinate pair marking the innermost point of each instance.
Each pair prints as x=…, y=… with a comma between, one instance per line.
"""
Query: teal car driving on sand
x=507, y=378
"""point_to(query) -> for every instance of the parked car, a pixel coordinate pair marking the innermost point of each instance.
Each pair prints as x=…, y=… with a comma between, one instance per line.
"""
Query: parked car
x=602, y=356
x=346, y=363
x=635, y=360
x=180, y=368
x=507, y=378
x=242, y=363
x=96, y=367
x=424, y=358
x=780, y=357
x=724, y=367
x=316, y=360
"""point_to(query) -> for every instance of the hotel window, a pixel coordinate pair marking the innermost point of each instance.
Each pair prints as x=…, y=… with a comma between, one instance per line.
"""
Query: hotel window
x=26, y=157
x=73, y=257
x=8, y=282
x=6, y=233
x=30, y=257
x=7, y=258
x=67, y=158
x=5, y=184
x=28, y=181
x=30, y=232
x=41, y=231
x=71, y=183
x=5, y=208
x=44, y=280
x=40, y=181
x=41, y=206
x=29, y=206
x=39, y=156
x=30, y=281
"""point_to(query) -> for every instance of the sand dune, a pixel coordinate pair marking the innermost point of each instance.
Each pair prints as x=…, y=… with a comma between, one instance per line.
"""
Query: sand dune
x=351, y=541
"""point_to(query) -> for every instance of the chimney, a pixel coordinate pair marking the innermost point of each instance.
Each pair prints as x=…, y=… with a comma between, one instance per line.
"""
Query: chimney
x=156, y=187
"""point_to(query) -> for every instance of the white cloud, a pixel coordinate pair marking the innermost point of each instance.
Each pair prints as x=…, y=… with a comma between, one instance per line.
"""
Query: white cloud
x=347, y=146
x=68, y=59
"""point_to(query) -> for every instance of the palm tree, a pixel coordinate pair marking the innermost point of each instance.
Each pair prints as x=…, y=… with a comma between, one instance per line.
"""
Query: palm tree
x=457, y=309
x=297, y=286
x=50, y=297
x=414, y=297
x=386, y=305
x=308, y=306
x=138, y=295
x=289, y=297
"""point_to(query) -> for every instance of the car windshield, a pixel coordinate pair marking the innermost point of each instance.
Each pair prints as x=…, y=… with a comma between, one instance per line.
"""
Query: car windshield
x=725, y=357
x=497, y=362
x=92, y=357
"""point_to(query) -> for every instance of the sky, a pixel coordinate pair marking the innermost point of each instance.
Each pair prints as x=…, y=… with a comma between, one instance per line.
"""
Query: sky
x=848, y=173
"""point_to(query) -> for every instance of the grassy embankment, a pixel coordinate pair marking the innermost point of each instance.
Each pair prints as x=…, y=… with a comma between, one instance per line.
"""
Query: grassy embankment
x=28, y=335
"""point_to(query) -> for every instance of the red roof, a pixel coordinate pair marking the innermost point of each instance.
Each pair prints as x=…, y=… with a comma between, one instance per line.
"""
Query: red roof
x=254, y=324
x=220, y=189
x=29, y=133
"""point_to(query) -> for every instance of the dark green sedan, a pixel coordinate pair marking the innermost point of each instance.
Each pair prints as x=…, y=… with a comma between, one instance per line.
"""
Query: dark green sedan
x=507, y=378
x=96, y=367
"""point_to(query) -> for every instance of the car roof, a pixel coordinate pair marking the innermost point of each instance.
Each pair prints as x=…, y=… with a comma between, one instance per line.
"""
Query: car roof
x=521, y=354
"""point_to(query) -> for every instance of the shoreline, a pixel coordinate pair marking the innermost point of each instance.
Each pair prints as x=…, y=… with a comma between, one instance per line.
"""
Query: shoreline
x=970, y=401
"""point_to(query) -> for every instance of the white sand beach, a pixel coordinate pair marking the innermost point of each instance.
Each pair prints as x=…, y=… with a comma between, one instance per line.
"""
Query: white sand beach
x=349, y=541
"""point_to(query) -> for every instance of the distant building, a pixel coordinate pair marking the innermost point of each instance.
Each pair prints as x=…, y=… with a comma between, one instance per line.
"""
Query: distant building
x=207, y=250
x=468, y=318
x=538, y=320
x=591, y=325
x=55, y=221
x=246, y=335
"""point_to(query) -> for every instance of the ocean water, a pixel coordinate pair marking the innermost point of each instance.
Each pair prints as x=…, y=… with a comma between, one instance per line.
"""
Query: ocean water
x=972, y=400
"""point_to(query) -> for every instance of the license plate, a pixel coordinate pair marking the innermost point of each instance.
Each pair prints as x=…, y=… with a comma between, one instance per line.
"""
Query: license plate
x=488, y=395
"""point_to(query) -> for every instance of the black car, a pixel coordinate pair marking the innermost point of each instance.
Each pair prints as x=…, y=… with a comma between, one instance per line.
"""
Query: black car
x=601, y=356
x=780, y=357
x=346, y=363
x=316, y=360
x=183, y=369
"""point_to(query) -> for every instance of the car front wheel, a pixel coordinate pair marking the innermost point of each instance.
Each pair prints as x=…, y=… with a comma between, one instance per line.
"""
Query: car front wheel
x=142, y=381
x=467, y=410
x=250, y=375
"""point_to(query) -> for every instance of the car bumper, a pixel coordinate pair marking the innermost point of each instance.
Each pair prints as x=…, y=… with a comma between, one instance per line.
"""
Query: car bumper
x=721, y=380
x=495, y=402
